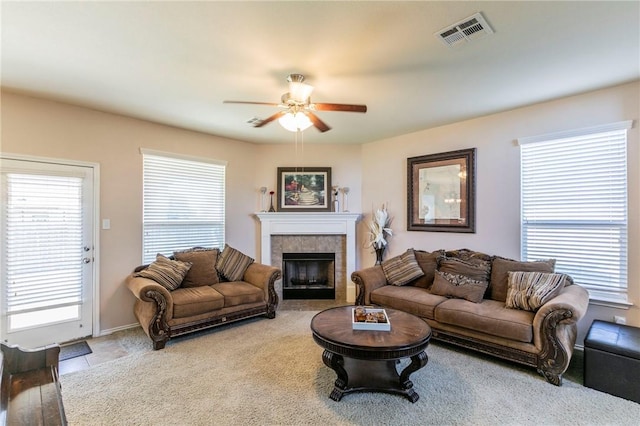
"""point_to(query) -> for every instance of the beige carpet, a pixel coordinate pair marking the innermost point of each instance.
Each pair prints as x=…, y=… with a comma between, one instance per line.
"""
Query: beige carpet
x=270, y=372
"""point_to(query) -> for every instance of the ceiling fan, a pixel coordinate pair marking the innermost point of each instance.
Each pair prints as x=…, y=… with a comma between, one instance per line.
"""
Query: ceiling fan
x=297, y=111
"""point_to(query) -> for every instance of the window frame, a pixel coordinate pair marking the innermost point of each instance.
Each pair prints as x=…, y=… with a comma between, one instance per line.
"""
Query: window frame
x=615, y=296
x=206, y=215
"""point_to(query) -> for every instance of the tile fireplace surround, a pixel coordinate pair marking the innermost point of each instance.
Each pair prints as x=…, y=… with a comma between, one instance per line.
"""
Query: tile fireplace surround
x=312, y=232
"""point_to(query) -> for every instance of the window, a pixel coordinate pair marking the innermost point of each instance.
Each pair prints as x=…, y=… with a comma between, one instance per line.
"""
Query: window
x=183, y=203
x=574, y=206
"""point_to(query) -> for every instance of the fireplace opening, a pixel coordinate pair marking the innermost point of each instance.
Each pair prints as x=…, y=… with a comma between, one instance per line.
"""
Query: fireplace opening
x=308, y=276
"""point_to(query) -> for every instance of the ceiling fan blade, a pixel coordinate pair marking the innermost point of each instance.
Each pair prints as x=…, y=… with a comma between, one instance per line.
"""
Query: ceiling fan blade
x=270, y=119
x=341, y=107
x=320, y=125
x=250, y=103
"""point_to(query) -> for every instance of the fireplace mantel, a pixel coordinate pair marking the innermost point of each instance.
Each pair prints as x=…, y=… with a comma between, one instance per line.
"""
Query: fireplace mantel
x=291, y=223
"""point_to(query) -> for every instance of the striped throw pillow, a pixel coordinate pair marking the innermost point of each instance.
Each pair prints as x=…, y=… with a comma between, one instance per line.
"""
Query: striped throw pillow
x=403, y=269
x=531, y=290
x=232, y=263
x=166, y=272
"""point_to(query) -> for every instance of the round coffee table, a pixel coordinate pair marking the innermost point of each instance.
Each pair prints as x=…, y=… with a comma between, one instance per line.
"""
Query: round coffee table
x=365, y=360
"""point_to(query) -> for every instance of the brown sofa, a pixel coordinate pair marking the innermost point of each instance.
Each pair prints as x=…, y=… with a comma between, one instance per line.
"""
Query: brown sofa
x=204, y=297
x=543, y=337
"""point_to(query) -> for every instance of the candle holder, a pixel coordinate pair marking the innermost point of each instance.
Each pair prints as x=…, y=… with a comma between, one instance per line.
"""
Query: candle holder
x=263, y=200
x=271, y=209
x=345, y=199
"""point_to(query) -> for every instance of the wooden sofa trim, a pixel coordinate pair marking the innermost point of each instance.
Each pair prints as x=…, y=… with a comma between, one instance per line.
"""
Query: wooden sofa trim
x=551, y=362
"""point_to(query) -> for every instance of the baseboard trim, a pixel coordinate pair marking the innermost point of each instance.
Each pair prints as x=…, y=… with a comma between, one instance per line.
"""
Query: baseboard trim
x=116, y=329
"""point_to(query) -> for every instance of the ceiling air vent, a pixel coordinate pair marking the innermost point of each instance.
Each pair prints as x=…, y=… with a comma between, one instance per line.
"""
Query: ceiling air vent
x=469, y=29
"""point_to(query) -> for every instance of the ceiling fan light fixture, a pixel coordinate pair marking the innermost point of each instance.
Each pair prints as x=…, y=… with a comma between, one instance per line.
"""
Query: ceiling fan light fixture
x=300, y=92
x=295, y=122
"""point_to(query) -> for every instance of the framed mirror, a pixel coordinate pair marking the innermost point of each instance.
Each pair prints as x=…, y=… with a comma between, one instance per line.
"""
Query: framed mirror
x=441, y=192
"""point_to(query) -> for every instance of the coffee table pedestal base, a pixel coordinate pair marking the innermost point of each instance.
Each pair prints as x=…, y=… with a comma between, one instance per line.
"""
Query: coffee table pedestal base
x=356, y=375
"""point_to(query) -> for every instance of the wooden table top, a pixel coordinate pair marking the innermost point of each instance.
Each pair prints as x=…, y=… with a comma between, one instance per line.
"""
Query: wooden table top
x=332, y=330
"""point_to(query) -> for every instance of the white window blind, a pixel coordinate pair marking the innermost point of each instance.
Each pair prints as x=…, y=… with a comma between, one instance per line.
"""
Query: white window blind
x=574, y=207
x=184, y=204
x=42, y=245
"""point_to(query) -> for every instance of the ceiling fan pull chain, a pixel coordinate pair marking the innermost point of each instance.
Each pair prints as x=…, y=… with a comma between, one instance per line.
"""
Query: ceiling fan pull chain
x=302, y=146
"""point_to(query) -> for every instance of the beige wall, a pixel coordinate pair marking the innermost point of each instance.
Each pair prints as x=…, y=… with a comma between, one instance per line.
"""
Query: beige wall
x=498, y=177
x=375, y=173
x=37, y=127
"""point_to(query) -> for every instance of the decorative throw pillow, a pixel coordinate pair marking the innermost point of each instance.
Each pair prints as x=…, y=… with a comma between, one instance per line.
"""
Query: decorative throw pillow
x=232, y=263
x=501, y=267
x=166, y=272
x=403, y=269
x=203, y=266
x=458, y=286
x=470, y=256
x=531, y=290
x=428, y=262
x=477, y=270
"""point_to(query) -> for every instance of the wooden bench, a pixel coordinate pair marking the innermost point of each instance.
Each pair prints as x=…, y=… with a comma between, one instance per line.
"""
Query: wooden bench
x=30, y=389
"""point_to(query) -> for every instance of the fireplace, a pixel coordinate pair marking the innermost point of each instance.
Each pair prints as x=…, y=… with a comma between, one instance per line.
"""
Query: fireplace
x=308, y=276
x=307, y=232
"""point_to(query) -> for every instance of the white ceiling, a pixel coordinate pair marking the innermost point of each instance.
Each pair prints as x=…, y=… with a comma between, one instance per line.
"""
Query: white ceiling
x=175, y=62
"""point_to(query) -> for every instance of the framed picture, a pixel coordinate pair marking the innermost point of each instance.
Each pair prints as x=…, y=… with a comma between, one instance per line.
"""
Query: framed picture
x=304, y=189
x=441, y=192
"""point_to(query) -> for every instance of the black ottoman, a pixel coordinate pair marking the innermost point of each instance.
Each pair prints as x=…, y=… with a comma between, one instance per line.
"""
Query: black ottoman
x=612, y=359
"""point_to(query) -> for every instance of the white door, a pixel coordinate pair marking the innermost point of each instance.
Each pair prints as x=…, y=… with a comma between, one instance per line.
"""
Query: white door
x=47, y=252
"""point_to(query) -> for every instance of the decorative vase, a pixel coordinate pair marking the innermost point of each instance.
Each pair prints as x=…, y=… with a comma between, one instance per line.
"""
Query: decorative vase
x=271, y=209
x=379, y=253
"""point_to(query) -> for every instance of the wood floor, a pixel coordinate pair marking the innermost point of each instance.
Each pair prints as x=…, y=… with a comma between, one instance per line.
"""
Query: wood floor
x=108, y=348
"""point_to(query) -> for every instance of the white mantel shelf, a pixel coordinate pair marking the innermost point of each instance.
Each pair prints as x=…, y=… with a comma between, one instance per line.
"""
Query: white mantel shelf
x=310, y=223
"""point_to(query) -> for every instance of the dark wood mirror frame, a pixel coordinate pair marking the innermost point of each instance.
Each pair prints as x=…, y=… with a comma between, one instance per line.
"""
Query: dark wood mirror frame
x=441, y=192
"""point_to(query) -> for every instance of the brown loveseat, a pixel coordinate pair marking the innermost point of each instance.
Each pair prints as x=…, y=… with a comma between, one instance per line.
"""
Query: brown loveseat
x=200, y=288
x=479, y=301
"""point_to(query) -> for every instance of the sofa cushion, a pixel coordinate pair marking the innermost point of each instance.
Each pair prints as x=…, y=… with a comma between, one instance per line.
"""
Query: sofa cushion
x=477, y=270
x=428, y=262
x=471, y=256
x=489, y=317
x=403, y=269
x=501, y=267
x=203, y=266
x=414, y=300
x=232, y=263
x=166, y=272
x=531, y=290
x=459, y=286
x=239, y=293
x=195, y=300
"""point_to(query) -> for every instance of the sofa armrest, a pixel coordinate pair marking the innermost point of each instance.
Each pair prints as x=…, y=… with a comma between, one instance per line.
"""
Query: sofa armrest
x=264, y=277
x=153, y=308
x=366, y=281
x=555, y=330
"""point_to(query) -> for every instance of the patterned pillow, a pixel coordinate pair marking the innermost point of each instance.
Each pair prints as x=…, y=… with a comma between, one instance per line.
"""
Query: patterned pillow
x=203, y=266
x=403, y=269
x=531, y=290
x=166, y=272
x=232, y=263
x=478, y=270
x=458, y=286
